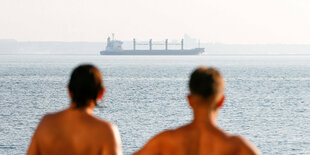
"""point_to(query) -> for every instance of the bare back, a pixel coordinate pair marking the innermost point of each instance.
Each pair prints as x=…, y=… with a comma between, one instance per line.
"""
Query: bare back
x=74, y=132
x=191, y=139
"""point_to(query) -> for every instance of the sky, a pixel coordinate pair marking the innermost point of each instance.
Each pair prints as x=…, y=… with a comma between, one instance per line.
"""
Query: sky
x=216, y=21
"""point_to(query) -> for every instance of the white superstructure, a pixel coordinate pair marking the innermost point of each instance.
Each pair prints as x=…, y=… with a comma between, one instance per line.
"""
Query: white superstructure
x=113, y=45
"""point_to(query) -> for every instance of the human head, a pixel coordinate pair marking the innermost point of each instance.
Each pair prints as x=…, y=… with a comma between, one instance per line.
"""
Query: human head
x=208, y=85
x=85, y=85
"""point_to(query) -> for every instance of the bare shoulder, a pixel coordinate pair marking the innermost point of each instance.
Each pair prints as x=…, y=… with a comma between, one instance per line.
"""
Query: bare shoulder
x=104, y=125
x=170, y=136
x=161, y=138
x=167, y=136
x=52, y=116
x=112, y=140
x=158, y=143
x=245, y=147
x=39, y=133
x=48, y=119
x=108, y=129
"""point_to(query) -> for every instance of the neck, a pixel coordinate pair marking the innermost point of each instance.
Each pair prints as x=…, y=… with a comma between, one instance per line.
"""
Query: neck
x=88, y=109
x=205, y=116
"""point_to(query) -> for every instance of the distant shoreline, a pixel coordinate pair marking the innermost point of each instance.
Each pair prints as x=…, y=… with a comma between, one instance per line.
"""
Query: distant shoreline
x=10, y=46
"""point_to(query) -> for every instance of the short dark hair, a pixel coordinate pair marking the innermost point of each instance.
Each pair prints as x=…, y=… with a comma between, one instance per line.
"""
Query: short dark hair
x=85, y=84
x=205, y=82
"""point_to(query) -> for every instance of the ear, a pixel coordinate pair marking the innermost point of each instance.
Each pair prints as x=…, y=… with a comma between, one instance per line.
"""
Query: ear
x=221, y=102
x=190, y=100
x=70, y=93
x=101, y=93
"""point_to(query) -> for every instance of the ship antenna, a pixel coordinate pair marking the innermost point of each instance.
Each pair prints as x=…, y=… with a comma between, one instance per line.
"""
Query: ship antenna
x=112, y=36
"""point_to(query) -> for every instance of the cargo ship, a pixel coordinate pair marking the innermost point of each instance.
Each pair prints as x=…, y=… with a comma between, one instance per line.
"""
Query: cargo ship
x=114, y=47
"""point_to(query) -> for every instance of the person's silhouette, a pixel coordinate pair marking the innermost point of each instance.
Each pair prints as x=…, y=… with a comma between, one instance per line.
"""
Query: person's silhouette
x=75, y=130
x=201, y=136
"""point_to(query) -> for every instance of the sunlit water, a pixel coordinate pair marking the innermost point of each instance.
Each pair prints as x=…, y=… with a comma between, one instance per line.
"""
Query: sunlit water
x=268, y=97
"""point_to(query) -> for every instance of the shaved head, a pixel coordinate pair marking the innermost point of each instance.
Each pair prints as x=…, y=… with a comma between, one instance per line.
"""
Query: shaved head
x=206, y=82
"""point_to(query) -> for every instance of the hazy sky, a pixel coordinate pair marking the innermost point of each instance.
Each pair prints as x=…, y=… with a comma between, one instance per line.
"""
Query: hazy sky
x=225, y=21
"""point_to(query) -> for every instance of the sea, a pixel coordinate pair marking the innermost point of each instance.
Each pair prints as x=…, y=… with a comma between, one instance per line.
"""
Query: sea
x=267, y=97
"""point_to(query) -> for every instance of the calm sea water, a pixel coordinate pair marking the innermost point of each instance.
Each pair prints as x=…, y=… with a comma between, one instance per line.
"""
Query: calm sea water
x=268, y=97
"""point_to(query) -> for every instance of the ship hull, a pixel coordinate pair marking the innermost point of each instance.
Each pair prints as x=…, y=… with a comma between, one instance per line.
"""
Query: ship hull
x=196, y=51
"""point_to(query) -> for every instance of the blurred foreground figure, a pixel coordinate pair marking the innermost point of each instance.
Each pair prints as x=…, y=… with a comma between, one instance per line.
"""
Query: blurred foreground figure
x=201, y=136
x=75, y=130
